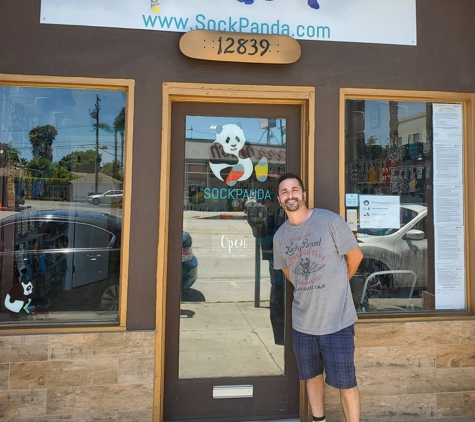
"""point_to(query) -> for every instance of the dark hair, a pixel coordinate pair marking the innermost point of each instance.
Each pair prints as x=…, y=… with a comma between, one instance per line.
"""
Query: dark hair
x=291, y=176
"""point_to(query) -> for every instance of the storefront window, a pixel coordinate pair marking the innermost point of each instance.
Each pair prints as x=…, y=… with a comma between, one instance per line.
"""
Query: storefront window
x=404, y=201
x=61, y=192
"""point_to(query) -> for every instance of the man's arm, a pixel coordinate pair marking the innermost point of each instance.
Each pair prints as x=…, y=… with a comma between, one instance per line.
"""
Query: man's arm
x=286, y=273
x=353, y=259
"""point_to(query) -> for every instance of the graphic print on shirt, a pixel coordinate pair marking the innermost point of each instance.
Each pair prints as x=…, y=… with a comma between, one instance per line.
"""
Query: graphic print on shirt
x=305, y=262
x=305, y=268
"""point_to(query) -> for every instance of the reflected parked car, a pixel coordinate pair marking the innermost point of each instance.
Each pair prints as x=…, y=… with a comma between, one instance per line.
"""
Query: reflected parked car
x=399, y=249
x=61, y=260
x=66, y=260
x=106, y=198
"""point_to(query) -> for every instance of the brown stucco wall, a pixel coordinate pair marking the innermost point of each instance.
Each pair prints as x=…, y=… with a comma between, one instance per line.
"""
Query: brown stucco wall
x=411, y=371
x=443, y=60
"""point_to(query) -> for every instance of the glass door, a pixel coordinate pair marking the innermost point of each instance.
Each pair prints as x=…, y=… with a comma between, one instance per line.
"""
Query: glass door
x=228, y=336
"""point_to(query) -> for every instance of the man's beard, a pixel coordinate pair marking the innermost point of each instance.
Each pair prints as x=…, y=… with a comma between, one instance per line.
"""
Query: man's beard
x=298, y=203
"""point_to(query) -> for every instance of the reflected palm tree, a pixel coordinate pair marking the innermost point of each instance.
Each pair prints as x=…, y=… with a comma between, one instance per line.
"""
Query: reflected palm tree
x=119, y=128
x=41, y=139
x=393, y=121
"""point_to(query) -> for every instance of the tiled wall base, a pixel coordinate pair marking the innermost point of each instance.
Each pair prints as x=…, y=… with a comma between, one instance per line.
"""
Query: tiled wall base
x=418, y=371
x=77, y=377
x=415, y=371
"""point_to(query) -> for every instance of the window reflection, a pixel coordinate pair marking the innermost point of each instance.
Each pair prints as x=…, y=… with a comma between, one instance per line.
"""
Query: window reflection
x=233, y=301
x=389, y=164
x=61, y=177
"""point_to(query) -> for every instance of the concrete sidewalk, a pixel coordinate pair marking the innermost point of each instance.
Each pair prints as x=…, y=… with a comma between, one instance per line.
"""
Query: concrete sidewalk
x=238, y=337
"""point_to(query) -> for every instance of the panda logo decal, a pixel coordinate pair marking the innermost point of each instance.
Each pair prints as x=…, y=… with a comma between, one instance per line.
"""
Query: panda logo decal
x=234, y=164
x=17, y=297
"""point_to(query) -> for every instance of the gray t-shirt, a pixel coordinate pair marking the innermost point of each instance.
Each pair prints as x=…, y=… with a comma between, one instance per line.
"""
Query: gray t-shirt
x=315, y=252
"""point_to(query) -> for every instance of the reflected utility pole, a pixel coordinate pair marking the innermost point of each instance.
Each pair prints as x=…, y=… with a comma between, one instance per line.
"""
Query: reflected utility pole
x=95, y=115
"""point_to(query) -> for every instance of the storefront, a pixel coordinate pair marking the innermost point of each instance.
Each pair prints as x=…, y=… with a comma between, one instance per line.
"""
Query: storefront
x=128, y=145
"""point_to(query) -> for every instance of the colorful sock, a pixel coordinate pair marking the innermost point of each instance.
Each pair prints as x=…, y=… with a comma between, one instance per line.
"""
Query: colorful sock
x=262, y=169
x=313, y=4
x=236, y=173
x=155, y=6
x=26, y=306
x=322, y=419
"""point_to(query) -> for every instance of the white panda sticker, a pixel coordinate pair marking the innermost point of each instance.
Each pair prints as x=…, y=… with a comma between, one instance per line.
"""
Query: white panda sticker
x=231, y=139
x=17, y=297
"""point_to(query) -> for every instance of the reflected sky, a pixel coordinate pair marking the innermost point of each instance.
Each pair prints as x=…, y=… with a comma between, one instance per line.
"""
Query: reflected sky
x=68, y=110
x=204, y=127
x=376, y=116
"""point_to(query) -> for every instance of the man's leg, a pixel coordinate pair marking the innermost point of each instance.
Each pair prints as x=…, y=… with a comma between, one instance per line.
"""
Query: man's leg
x=316, y=393
x=338, y=351
x=310, y=367
x=350, y=401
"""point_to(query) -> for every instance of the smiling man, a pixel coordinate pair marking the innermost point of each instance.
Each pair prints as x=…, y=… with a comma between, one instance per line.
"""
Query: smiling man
x=318, y=254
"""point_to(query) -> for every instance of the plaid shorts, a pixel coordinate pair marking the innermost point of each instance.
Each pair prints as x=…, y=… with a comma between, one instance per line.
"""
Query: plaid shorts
x=332, y=353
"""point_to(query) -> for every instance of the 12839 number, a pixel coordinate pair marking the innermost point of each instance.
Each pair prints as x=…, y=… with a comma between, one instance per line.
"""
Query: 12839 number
x=243, y=46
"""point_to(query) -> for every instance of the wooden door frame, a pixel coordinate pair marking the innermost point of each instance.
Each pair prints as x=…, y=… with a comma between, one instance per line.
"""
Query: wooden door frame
x=227, y=94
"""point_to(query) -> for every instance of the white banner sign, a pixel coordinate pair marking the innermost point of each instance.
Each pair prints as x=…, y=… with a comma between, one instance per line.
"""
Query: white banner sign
x=364, y=21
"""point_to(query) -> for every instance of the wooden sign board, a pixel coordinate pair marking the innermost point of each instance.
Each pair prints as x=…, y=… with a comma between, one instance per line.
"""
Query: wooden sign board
x=240, y=47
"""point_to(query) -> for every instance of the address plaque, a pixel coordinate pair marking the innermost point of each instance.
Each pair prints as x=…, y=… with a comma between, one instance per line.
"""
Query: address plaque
x=240, y=47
